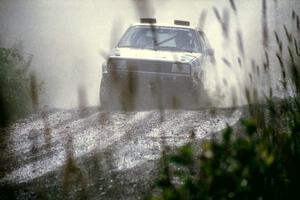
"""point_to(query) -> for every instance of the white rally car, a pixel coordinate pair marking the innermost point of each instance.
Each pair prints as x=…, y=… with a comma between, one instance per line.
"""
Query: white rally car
x=156, y=64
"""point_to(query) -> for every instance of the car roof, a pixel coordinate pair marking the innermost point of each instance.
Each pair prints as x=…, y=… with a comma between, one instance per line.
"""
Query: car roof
x=166, y=25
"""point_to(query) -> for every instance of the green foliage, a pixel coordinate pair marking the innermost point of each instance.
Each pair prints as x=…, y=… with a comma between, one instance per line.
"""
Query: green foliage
x=263, y=163
x=259, y=161
x=18, y=88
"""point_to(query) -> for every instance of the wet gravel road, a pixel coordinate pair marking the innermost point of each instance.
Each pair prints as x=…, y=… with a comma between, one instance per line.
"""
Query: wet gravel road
x=97, y=154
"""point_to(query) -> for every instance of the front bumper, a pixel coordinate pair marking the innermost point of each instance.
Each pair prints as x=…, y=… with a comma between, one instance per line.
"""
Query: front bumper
x=144, y=79
x=144, y=89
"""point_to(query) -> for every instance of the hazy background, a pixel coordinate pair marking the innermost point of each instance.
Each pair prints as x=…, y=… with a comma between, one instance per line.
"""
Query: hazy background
x=66, y=38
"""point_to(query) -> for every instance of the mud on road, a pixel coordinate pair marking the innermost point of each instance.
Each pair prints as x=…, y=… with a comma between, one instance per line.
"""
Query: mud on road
x=97, y=154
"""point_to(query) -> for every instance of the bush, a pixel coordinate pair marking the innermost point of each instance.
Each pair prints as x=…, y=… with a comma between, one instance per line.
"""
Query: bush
x=263, y=164
x=18, y=88
x=259, y=161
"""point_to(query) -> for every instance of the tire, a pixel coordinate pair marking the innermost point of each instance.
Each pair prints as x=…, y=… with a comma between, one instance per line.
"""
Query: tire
x=108, y=94
x=115, y=94
x=200, y=98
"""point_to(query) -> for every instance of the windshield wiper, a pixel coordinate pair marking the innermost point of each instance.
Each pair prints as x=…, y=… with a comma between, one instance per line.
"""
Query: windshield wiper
x=166, y=40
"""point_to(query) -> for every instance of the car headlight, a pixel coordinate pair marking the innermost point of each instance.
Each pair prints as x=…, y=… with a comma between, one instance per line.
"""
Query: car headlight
x=181, y=68
x=117, y=64
x=115, y=52
x=104, y=68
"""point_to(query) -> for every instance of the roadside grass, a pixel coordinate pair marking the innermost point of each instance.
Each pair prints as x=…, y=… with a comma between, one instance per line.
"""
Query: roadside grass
x=19, y=94
x=19, y=87
x=259, y=161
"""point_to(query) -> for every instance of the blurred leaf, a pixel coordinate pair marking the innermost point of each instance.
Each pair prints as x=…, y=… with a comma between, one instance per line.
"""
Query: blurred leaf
x=250, y=125
x=184, y=156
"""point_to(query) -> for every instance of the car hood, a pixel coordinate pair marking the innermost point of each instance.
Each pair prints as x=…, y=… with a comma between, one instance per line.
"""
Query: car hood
x=146, y=54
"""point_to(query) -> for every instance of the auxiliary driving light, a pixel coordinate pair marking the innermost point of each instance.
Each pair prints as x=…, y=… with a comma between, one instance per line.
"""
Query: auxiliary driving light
x=180, y=68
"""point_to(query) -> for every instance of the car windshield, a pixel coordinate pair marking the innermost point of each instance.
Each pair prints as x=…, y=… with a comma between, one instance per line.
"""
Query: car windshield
x=161, y=38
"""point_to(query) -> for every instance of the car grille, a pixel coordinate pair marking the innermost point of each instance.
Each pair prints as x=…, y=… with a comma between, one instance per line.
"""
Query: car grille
x=142, y=66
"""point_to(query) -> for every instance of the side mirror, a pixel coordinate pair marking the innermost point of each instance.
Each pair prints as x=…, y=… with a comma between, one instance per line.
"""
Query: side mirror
x=210, y=52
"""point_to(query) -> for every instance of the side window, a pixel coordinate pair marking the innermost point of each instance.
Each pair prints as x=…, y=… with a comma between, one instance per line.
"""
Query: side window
x=201, y=42
x=205, y=40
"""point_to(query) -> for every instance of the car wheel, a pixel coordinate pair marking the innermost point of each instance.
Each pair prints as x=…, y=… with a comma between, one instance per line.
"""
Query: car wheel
x=108, y=95
x=200, y=96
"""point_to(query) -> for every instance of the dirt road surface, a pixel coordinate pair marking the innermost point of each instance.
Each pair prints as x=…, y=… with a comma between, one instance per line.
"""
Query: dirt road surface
x=114, y=153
